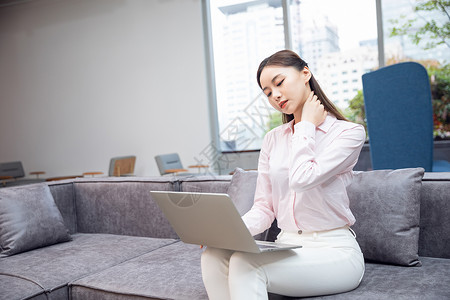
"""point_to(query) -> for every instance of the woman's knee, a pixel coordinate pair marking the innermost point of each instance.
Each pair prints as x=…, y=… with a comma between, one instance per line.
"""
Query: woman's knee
x=214, y=257
x=242, y=263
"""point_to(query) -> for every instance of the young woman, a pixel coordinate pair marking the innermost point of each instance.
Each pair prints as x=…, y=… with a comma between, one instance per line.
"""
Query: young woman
x=304, y=168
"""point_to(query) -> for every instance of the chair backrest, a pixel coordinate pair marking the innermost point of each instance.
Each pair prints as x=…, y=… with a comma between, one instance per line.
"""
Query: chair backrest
x=13, y=169
x=123, y=165
x=168, y=161
x=399, y=116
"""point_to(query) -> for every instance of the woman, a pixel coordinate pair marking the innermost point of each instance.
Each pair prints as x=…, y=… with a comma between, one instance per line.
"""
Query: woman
x=304, y=168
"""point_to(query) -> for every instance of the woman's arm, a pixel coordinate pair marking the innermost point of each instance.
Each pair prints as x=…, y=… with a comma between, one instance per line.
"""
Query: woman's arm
x=261, y=215
x=309, y=169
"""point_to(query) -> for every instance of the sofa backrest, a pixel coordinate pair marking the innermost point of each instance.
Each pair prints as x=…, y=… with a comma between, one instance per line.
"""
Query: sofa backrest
x=64, y=196
x=434, y=238
x=124, y=206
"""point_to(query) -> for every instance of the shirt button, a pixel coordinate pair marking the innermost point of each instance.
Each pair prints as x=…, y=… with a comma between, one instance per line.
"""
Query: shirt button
x=300, y=232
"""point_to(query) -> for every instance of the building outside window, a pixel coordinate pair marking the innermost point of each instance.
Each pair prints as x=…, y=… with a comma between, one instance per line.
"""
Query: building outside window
x=243, y=33
x=338, y=40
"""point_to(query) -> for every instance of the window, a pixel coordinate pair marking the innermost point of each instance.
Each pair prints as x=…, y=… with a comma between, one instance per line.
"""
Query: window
x=245, y=32
x=434, y=56
x=401, y=47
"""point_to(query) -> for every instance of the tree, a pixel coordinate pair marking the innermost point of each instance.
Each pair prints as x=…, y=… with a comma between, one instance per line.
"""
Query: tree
x=440, y=96
x=438, y=33
x=275, y=120
x=355, y=111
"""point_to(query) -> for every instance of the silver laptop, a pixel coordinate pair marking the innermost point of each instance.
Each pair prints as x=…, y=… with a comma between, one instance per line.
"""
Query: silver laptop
x=212, y=220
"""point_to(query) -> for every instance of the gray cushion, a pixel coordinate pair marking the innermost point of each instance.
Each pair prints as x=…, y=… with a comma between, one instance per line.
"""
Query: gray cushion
x=54, y=266
x=29, y=219
x=387, y=282
x=242, y=189
x=171, y=272
x=386, y=205
x=15, y=287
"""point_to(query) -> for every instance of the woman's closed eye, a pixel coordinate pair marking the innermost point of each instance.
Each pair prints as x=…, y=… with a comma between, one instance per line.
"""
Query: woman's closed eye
x=279, y=83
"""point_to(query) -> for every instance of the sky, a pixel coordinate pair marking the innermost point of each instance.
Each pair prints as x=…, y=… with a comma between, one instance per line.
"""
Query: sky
x=355, y=19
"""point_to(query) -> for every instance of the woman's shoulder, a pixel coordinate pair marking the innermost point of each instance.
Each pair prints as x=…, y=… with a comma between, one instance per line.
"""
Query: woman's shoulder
x=350, y=128
x=277, y=132
x=348, y=124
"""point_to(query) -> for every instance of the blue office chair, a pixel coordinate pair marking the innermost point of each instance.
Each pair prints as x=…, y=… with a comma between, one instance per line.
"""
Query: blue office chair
x=171, y=164
x=399, y=116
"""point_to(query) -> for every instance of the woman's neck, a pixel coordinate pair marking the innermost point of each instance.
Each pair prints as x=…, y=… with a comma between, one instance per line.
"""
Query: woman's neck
x=297, y=116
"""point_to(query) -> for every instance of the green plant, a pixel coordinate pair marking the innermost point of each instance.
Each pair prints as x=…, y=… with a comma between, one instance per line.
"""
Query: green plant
x=355, y=111
x=440, y=97
x=275, y=120
x=440, y=93
x=435, y=34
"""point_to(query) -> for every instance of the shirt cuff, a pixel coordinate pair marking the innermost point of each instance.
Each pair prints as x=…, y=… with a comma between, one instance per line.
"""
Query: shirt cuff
x=304, y=129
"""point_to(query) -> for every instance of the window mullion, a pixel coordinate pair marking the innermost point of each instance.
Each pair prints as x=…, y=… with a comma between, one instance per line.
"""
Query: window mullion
x=287, y=25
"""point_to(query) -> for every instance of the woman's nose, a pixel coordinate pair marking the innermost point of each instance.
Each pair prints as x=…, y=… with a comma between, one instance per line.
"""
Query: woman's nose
x=276, y=94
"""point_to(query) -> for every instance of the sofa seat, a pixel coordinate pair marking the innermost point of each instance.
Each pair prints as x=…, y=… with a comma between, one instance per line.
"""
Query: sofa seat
x=19, y=288
x=50, y=269
x=172, y=272
x=387, y=282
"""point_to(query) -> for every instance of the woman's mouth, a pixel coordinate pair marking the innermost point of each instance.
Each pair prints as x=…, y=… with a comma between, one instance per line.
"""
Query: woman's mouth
x=282, y=104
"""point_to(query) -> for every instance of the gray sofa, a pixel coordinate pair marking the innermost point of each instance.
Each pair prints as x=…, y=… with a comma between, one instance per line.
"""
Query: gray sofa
x=105, y=238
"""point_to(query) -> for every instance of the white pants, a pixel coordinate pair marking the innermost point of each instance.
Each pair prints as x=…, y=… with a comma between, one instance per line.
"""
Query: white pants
x=329, y=262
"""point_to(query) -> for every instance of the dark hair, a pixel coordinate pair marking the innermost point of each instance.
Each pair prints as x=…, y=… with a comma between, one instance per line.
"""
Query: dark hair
x=288, y=58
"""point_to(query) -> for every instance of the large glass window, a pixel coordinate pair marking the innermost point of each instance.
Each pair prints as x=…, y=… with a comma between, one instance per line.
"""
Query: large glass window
x=338, y=39
x=338, y=49
x=243, y=33
x=402, y=22
x=419, y=31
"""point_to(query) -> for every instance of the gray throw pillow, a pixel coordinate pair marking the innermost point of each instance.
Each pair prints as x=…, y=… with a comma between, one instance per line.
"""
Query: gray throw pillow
x=386, y=205
x=29, y=219
x=242, y=189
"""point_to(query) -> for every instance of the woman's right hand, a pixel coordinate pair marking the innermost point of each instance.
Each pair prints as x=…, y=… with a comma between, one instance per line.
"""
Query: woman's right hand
x=313, y=110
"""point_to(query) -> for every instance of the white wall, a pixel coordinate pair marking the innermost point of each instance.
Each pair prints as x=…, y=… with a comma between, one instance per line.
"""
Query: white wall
x=82, y=81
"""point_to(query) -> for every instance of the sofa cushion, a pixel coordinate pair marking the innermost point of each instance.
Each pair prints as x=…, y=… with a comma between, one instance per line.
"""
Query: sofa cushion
x=242, y=189
x=14, y=287
x=29, y=219
x=386, y=205
x=53, y=267
x=171, y=272
x=386, y=282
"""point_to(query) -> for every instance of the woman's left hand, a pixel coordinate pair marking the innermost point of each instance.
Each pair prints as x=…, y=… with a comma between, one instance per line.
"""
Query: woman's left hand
x=313, y=110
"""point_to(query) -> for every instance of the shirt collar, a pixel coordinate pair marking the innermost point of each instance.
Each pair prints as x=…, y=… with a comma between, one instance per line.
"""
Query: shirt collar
x=325, y=126
x=329, y=121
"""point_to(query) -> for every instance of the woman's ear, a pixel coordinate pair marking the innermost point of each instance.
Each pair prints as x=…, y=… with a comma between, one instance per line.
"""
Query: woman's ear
x=307, y=74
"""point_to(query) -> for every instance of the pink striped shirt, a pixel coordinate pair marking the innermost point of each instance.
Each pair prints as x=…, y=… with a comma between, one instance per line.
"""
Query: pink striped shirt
x=303, y=175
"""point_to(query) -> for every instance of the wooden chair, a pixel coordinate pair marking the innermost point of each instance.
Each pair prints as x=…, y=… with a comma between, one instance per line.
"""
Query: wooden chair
x=122, y=166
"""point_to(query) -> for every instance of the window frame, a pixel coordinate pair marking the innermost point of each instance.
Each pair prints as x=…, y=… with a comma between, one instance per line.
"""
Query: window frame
x=210, y=70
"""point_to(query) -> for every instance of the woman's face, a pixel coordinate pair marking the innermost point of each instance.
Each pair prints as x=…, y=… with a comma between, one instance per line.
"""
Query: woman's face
x=286, y=88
